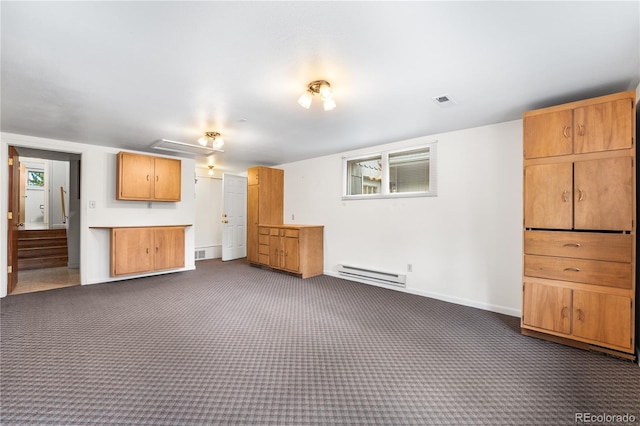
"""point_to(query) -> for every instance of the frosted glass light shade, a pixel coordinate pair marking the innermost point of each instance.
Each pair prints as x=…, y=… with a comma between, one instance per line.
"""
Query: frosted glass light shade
x=305, y=100
x=328, y=104
x=203, y=141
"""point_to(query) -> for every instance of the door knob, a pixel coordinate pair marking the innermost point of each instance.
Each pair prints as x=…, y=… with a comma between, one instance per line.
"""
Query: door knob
x=225, y=221
x=224, y=215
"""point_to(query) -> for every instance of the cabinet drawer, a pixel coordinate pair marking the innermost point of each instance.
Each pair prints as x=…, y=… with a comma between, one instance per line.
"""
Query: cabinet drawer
x=582, y=245
x=275, y=232
x=263, y=249
x=291, y=233
x=263, y=231
x=610, y=274
x=263, y=239
x=263, y=259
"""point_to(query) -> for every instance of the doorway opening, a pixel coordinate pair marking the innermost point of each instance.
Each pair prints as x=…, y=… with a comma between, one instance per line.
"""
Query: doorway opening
x=46, y=225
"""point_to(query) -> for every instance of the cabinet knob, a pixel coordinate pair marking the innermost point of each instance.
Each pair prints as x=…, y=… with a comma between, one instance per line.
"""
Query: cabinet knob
x=581, y=195
x=581, y=130
x=565, y=196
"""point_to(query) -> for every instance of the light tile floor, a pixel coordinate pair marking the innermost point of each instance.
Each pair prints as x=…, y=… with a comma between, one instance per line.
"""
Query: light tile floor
x=33, y=280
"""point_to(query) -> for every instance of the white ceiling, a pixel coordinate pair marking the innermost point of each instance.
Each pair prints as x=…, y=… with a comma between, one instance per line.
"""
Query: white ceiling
x=126, y=74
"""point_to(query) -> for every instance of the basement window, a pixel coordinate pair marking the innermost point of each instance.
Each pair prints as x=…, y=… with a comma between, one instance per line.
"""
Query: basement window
x=400, y=173
x=35, y=179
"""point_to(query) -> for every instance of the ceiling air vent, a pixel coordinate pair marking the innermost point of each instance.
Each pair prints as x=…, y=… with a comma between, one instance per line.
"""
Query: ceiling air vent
x=444, y=100
x=183, y=147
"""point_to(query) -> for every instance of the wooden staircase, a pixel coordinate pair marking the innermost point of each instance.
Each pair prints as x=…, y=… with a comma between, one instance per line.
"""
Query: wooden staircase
x=42, y=248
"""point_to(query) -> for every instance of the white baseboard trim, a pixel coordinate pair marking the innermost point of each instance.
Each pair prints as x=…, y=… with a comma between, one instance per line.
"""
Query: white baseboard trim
x=439, y=296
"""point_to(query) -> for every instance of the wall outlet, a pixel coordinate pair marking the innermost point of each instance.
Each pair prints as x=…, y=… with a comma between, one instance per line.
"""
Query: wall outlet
x=409, y=267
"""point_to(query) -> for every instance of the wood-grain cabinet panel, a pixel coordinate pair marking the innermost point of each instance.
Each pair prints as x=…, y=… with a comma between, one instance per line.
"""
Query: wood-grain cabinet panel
x=579, y=196
x=147, y=178
x=581, y=245
x=137, y=250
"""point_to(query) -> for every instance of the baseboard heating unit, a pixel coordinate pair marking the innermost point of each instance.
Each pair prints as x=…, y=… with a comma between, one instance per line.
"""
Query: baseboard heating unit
x=358, y=273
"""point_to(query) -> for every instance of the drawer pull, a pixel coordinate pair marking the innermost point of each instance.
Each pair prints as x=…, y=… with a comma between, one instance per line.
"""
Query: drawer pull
x=565, y=196
x=572, y=269
x=572, y=245
x=565, y=312
x=565, y=131
x=581, y=197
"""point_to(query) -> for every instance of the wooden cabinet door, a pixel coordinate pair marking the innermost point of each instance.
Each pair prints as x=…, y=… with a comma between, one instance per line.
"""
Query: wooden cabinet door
x=547, y=307
x=252, y=222
x=167, y=179
x=135, y=174
x=253, y=176
x=131, y=250
x=292, y=254
x=548, y=135
x=603, y=194
x=603, y=127
x=276, y=249
x=603, y=318
x=168, y=248
x=547, y=196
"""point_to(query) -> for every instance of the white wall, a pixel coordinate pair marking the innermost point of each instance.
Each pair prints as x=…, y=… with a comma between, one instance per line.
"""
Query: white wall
x=465, y=245
x=98, y=184
x=58, y=177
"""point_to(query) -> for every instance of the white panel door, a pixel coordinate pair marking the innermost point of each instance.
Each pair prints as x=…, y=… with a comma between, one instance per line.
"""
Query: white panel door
x=234, y=217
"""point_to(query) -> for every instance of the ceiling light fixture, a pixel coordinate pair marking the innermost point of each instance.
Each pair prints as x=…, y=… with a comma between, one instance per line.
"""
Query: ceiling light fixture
x=212, y=138
x=318, y=87
x=210, y=172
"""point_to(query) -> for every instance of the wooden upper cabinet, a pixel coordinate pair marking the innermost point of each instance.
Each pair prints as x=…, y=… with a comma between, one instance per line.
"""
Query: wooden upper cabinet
x=167, y=184
x=603, y=194
x=548, y=196
x=548, y=135
x=135, y=176
x=593, y=125
x=147, y=178
x=603, y=127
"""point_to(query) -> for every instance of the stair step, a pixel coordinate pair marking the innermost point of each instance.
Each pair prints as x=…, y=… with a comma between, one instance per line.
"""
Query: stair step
x=42, y=242
x=38, y=263
x=42, y=233
x=49, y=251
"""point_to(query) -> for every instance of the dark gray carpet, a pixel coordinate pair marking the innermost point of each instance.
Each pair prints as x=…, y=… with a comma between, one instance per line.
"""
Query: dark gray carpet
x=232, y=344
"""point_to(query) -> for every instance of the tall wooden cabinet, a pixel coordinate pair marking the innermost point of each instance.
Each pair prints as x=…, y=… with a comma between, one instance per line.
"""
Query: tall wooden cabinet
x=265, y=204
x=580, y=224
x=296, y=249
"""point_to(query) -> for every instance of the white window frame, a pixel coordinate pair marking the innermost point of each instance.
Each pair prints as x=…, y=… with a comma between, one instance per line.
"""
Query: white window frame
x=384, y=190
